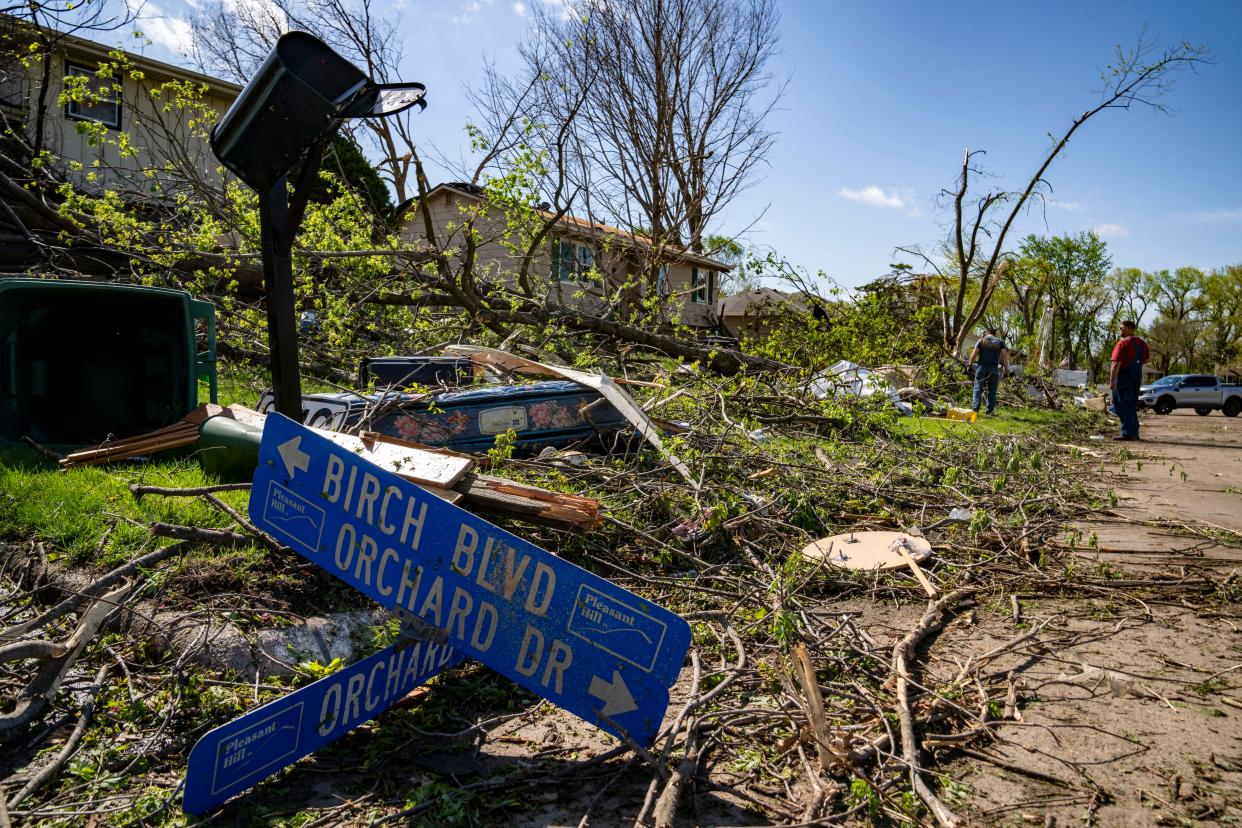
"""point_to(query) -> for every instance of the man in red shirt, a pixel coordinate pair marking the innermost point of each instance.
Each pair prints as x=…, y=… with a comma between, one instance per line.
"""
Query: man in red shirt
x=1124, y=378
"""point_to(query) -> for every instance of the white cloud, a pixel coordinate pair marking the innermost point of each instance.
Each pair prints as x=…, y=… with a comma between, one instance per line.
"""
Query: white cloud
x=169, y=31
x=520, y=9
x=1072, y=206
x=1111, y=229
x=173, y=33
x=880, y=197
x=565, y=8
x=468, y=12
x=1219, y=215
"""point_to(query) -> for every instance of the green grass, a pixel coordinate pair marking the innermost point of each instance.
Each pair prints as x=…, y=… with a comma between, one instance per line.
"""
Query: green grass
x=243, y=383
x=1005, y=421
x=88, y=517
x=71, y=510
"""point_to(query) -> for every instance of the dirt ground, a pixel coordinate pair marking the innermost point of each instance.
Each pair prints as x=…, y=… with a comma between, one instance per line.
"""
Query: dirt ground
x=1134, y=708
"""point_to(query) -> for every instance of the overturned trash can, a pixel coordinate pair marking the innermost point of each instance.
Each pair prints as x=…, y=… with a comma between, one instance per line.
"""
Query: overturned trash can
x=80, y=361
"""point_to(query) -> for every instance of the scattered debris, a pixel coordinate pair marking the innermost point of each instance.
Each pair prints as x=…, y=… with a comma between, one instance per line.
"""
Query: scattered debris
x=869, y=550
x=1067, y=378
x=602, y=383
x=179, y=435
x=851, y=379
x=966, y=415
x=770, y=468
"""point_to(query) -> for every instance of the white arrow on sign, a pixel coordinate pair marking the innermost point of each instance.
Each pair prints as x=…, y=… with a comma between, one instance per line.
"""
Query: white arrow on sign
x=293, y=456
x=615, y=695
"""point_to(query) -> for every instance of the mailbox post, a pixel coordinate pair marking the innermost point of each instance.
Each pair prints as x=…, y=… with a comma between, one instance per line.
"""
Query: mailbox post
x=282, y=120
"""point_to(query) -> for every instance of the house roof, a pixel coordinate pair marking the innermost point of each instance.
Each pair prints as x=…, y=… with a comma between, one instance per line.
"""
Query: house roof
x=749, y=301
x=592, y=228
x=760, y=299
x=158, y=69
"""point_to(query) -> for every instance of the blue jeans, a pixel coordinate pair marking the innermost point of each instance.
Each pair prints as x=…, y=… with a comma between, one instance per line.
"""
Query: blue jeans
x=989, y=375
x=1125, y=403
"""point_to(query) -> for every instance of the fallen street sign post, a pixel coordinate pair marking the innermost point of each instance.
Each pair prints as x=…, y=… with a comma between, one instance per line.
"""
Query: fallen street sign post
x=599, y=651
x=252, y=747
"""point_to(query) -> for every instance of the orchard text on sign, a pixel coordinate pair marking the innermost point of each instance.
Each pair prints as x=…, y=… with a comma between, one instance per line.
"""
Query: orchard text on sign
x=600, y=651
x=252, y=747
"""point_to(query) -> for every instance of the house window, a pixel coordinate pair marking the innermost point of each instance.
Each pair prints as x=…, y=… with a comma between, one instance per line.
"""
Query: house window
x=663, y=288
x=573, y=262
x=702, y=285
x=101, y=103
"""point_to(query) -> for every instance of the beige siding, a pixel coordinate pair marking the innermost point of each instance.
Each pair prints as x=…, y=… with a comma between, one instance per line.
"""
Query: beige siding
x=450, y=212
x=156, y=137
x=498, y=263
x=695, y=314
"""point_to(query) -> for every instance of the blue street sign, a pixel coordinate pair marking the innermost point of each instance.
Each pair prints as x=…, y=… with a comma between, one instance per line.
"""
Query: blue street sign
x=580, y=641
x=252, y=747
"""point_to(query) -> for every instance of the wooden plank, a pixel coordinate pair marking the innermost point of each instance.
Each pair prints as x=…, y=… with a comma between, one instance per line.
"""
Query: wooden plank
x=194, y=418
x=450, y=495
x=135, y=449
x=245, y=416
x=506, y=498
x=190, y=421
x=375, y=436
x=900, y=546
x=416, y=465
x=134, y=446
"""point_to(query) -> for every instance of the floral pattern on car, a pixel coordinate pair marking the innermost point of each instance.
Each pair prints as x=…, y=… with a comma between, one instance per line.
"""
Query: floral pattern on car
x=459, y=422
x=552, y=414
x=422, y=430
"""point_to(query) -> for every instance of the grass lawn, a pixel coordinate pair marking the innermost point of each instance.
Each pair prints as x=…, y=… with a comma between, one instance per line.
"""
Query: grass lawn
x=1005, y=421
x=87, y=516
x=71, y=510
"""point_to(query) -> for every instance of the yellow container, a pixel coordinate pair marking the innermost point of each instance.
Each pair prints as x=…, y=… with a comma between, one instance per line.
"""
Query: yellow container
x=965, y=414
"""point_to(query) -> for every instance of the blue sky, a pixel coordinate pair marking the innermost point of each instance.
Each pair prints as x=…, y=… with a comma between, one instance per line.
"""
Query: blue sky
x=882, y=98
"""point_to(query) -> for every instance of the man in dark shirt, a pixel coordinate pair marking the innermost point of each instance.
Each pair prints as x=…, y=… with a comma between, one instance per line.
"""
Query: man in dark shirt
x=1124, y=378
x=989, y=361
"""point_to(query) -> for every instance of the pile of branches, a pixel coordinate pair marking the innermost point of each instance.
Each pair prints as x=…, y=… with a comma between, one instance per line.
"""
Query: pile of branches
x=825, y=719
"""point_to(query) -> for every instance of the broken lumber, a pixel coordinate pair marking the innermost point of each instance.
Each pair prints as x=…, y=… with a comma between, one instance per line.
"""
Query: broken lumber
x=505, y=498
x=418, y=465
x=182, y=433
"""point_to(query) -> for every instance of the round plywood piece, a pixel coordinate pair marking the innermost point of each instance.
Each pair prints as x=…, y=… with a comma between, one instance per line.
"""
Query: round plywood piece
x=867, y=550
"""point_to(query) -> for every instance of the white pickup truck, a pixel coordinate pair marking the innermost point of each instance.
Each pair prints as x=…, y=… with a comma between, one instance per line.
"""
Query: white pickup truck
x=1202, y=392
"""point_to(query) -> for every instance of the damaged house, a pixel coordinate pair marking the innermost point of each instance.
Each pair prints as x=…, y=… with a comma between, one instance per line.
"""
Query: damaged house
x=581, y=264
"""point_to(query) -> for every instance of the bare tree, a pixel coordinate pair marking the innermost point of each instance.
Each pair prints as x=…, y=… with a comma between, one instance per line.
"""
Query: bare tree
x=675, y=95
x=981, y=221
x=535, y=161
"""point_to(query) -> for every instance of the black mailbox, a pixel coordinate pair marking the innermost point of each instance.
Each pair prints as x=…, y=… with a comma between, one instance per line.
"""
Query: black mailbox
x=298, y=98
x=279, y=122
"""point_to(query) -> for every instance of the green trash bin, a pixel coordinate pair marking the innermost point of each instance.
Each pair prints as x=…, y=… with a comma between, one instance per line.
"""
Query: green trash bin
x=227, y=449
x=80, y=361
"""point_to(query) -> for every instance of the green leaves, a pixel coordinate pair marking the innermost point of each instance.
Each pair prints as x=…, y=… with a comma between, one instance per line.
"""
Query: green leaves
x=313, y=670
